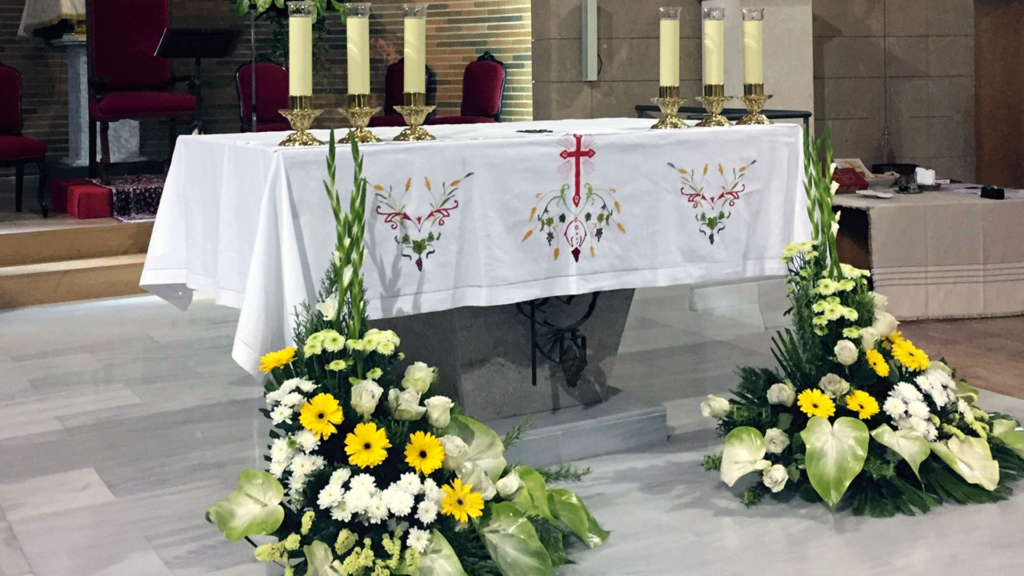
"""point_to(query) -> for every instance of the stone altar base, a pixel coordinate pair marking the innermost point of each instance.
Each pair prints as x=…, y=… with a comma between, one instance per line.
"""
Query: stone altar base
x=483, y=355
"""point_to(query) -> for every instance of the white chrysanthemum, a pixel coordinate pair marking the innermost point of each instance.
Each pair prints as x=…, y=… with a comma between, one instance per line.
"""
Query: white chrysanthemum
x=895, y=407
x=399, y=502
x=363, y=482
x=965, y=410
x=931, y=433
x=341, y=513
x=306, y=440
x=918, y=410
x=377, y=511
x=293, y=400
x=305, y=385
x=282, y=414
x=431, y=491
x=903, y=423
x=418, y=539
x=274, y=397
x=295, y=497
x=919, y=425
x=357, y=500
x=290, y=385
x=306, y=464
x=340, y=476
x=277, y=469
x=281, y=451
x=907, y=392
x=330, y=497
x=427, y=512
x=409, y=482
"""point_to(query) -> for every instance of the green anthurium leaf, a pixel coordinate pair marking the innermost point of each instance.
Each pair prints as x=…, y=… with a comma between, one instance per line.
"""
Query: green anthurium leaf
x=907, y=443
x=320, y=560
x=567, y=507
x=971, y=458
x=439, y=559
x=485, y=447
x=1006, y=430
x=967, y=392
x=785, y=419
x=263, y=5
x=835, y=455
x=254, y=508
x=744, y=453
x=241, y=7
x=513, y=543
x=533, y=498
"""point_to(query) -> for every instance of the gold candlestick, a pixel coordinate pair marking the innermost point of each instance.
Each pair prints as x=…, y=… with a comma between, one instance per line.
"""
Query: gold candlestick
x=301, y=116
x=714, y=100
x=669, y=101
x=415, y=112
x=359, y=111
x=754, y=99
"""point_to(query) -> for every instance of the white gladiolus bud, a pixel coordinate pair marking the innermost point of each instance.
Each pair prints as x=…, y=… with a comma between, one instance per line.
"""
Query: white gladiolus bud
x=834, y=188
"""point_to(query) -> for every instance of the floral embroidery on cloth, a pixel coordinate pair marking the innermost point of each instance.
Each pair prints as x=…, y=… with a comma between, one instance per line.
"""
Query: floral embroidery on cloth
x=418, y=234
x=577, y=213
x=710, y=204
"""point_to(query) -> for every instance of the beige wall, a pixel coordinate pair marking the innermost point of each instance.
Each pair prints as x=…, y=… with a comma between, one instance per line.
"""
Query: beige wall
x=911, y=61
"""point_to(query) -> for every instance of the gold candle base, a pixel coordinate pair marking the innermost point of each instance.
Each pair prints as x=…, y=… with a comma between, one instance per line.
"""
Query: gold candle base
x=714, y=100
x=754, y=99
x=669, y=101
x=301, y=116
x=359, y=112
x=415, y=112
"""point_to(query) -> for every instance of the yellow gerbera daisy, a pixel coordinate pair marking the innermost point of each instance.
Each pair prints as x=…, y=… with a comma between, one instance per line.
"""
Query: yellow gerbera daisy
x=863, y=404
x=877, y=361
x=367, y=445
x=814, y=402
x=910, y=356
x=461, y=502
x=894, y=338
x=424, y=452
x=320, y=415
x=276, y=359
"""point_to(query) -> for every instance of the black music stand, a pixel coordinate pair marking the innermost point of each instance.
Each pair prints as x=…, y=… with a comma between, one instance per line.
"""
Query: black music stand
x=198, y=43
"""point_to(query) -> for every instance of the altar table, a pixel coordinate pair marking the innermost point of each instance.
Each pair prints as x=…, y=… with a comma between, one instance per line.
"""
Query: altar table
x=486, y=215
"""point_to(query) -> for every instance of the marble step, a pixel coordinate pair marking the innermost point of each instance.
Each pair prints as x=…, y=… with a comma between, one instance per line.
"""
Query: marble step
x=622, y=424
x=62, y=238
x=70, y=280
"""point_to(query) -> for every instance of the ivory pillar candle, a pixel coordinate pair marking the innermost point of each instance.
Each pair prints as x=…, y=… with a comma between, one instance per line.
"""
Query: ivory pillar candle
x=714, y=46
x=357, y=44
x=669, y=46
x=414, y=49
x=300, y=48
x=753, y=46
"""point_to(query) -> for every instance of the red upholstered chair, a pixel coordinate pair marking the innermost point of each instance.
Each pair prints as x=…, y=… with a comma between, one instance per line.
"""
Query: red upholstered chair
x=271, y=96
x=394, y=94
x=483, y=85
x=15, y=149
x=126, y=79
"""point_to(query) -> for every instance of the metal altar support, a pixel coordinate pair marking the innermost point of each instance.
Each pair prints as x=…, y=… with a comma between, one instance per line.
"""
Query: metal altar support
x=564, y=345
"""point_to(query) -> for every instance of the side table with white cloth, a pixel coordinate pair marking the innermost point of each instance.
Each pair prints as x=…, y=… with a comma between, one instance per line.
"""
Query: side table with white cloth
x=461, y=229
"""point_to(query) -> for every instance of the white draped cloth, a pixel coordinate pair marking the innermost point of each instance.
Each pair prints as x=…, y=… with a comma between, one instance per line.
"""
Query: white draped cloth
x=485, y=215
x=40, y=13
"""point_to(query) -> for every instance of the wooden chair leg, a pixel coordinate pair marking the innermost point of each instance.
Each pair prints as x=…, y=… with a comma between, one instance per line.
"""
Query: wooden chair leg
x=43, y=207
x=19, y=186
x=93, y=169
x=104, y=150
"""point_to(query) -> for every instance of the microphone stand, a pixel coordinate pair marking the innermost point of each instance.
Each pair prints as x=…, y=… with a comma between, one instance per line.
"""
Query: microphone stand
x=252, y=68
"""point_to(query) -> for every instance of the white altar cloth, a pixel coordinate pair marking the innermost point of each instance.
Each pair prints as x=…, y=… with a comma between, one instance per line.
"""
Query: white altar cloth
x=486, y=215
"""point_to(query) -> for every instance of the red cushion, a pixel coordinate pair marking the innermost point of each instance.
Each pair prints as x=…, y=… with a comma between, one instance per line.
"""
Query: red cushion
x=10, y=100
x=387, y=121
x=143, y=105
x=90, y=201
x=20, y=148
x=124, y=35
x=461, y=120
x=482, y=84
x=271, y=127
x=59, y=190
x=271, y=92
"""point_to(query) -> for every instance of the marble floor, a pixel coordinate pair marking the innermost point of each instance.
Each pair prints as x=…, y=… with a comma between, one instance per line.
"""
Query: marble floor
x=122, y=420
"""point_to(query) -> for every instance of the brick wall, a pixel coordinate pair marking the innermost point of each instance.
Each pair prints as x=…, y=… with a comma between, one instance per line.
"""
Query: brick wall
x=458, y=31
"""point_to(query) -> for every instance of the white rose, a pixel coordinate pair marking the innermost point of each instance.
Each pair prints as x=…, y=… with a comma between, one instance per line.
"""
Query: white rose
x=846, y=352
x=455, y=452
x=776, y=440
x=834, y=386
x=474, y=476
x=405, y=405
x=329, y=308
x=510, y=485
x=783, y=393
x=439, y=411
x=885, y=324
x=418, y=377
x=775, y=478
x=365, y=396
x=714, y=407
x=881, y=301
x=869, y=337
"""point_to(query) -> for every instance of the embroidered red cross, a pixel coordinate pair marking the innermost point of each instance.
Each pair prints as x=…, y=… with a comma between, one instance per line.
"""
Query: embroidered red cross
x=577, y=154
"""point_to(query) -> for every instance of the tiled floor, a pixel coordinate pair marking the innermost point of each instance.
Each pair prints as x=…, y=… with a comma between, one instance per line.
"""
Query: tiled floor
x=122, y=420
